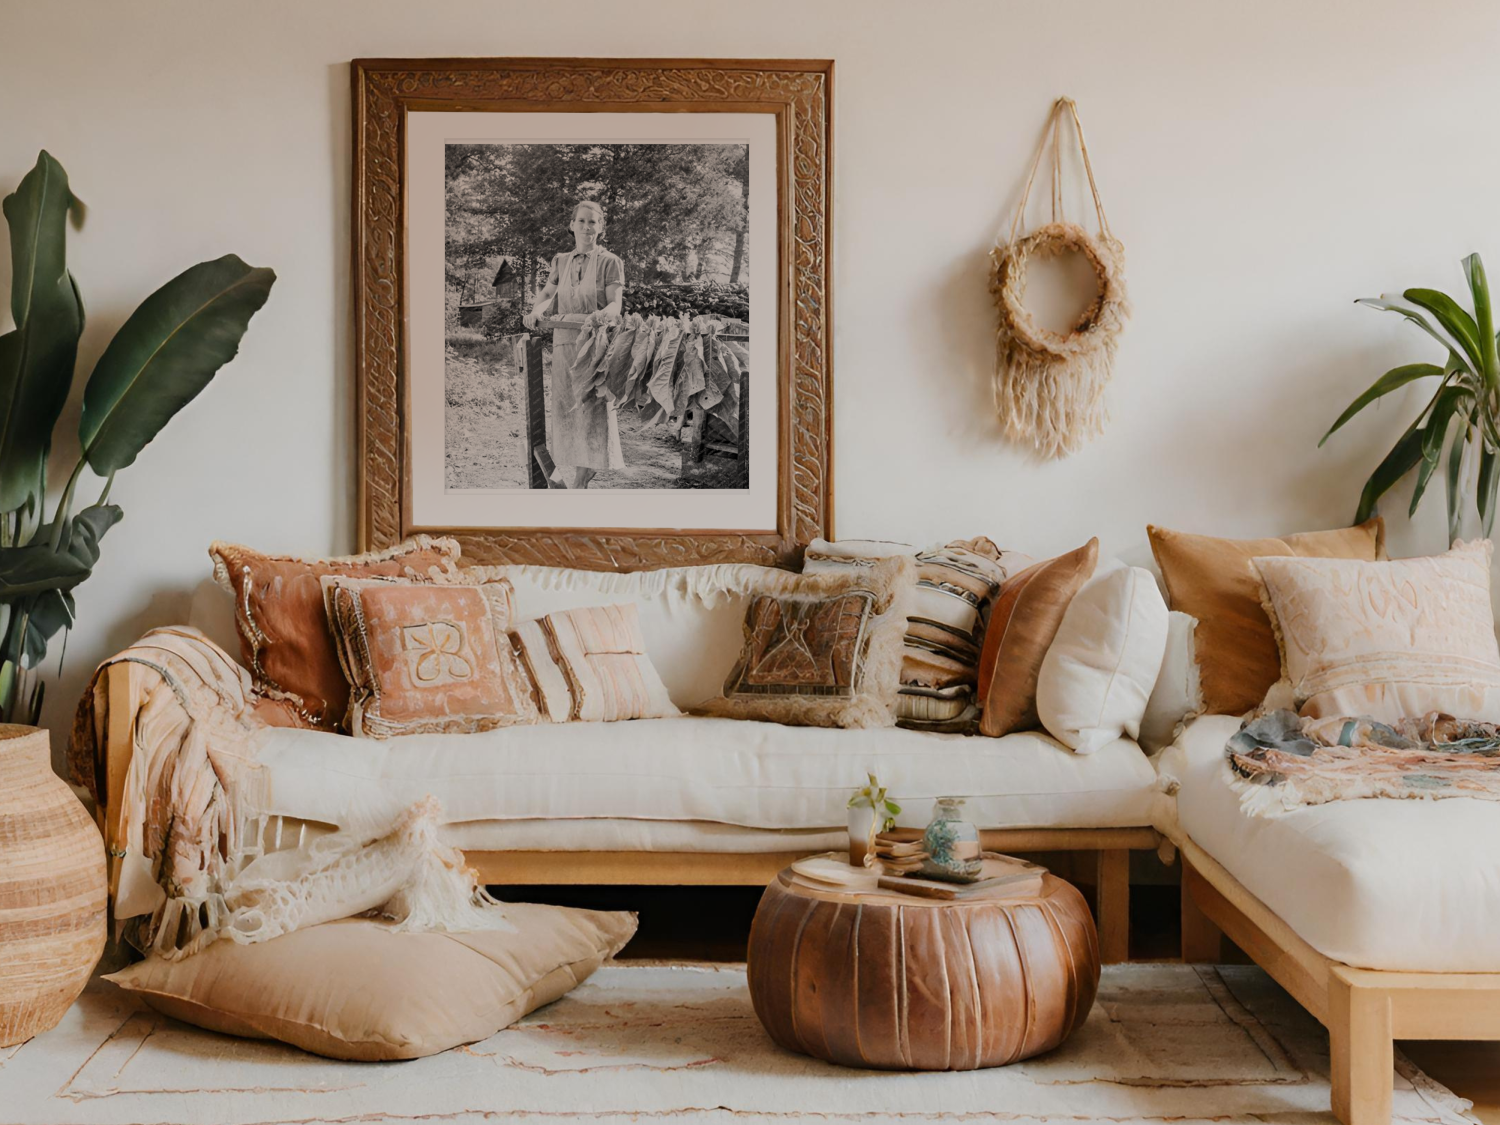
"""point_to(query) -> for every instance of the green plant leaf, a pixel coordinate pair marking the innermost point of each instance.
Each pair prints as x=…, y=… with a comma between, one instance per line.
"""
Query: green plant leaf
x=1479, y=289
x=166, y=353
x=37, y=567
x=1455, y=320
x=1402, y=458
x=1393, y=379
x=81, y=539
x=37, y=356
x=1396, y=303
x=1488, y=480
x=1448, y=402
x=1455, y=475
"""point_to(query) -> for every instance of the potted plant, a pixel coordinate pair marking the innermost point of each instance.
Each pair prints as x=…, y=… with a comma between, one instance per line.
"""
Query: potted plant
x=870, y=811
x=1463, y=414
x=160, y=359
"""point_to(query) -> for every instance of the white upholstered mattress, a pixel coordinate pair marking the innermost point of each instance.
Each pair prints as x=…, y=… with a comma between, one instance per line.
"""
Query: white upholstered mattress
x=726, y=772
x=1379, y=884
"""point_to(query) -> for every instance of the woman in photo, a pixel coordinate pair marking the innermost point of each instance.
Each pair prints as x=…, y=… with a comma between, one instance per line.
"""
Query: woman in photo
x=585, y=437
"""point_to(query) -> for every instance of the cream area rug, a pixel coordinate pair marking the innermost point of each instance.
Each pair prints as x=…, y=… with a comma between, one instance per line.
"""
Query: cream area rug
x=649, y=1042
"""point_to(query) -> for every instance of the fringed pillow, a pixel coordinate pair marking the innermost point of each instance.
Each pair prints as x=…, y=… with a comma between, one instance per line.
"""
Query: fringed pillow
x=590, y=665
x=427, y=658
x=956, y=585
x=823, y=649
x=283, y=629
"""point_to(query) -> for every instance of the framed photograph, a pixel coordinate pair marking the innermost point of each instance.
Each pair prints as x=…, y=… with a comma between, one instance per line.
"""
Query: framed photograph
x=591, y=307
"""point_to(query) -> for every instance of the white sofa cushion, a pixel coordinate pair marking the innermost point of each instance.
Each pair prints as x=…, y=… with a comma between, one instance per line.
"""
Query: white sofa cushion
x=730, y=771
x=1100, y=668
x=1378, y=884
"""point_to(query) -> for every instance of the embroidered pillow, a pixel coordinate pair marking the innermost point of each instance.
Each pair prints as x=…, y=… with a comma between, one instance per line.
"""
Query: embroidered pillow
x=823, y=649
x=283, y=629
x=1213, y=580
x=426, y=658
x=591, y=665
x=1391, y=640
x=956, y=585
x=1025, y=619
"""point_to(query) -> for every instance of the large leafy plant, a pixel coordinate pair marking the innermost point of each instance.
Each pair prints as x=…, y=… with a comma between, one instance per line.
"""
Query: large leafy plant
x=1463, y=414
x=162, y=356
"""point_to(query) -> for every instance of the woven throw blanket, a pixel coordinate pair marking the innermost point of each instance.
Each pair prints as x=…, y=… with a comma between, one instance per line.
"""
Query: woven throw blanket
x=195, y=863
x=1281, y=761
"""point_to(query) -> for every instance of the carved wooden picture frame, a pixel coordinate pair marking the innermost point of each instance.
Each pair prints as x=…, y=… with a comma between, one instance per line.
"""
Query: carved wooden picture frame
x=797, y=94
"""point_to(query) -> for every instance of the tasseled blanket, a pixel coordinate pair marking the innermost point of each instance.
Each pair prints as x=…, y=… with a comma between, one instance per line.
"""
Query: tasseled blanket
x=1281, y=761
x=191, y=859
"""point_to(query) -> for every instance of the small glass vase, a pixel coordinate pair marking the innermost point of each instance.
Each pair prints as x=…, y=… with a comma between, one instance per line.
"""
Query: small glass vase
x=952, y=844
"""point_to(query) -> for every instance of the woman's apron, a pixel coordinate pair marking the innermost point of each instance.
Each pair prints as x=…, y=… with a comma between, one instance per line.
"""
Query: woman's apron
x=585, y=433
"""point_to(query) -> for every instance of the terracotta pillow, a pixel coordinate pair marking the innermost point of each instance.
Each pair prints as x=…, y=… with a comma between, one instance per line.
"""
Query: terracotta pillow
x=427, y=657
x=1026, y=617
x=1389, y=640
x=590, y=665
x=1214, y=581
x=355, y=990
x=823, y=649
x=278, y=612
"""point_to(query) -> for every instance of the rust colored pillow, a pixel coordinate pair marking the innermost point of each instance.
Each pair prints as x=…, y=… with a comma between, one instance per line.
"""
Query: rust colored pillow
x=427, y=657
x=284, y=635
x=1025, y=619
x=1215, y=581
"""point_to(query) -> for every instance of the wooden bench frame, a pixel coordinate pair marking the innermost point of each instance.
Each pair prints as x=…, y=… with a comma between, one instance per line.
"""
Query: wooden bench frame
x=1112, y=846
x=1364, y=1010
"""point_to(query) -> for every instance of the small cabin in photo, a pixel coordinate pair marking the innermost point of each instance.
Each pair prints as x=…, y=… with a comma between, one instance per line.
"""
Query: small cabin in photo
x=507, y=283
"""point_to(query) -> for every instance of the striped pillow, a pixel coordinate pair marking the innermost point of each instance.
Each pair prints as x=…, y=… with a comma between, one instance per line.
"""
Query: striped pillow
x=590, y=665
x=956, y=584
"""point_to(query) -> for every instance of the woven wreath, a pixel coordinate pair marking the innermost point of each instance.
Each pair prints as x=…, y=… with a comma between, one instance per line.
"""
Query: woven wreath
x=1049, y=386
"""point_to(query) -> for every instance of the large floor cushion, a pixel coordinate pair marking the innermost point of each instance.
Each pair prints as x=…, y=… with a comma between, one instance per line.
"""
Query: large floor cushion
x=729, y=771
x=1408, y=885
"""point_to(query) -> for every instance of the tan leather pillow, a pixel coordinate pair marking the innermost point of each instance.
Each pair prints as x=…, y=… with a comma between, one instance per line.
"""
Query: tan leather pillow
x=428, y=657
x=1215, y=581
x=1025, y=619
x=284, y=635
x=355, y=990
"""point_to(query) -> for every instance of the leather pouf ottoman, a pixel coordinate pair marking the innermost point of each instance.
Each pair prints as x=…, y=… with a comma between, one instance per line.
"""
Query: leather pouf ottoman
x=896, y=982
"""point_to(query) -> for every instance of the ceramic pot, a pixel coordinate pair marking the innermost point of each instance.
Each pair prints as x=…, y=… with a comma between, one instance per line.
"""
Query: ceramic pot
x=951, y=843
x=52, y=888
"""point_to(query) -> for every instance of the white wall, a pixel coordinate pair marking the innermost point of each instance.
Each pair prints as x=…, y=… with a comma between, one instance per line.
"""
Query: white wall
x=1264, y=164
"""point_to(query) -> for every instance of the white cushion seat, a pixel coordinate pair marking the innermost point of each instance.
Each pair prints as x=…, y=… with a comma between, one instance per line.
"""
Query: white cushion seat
x=723, y=771
x=1406, y=885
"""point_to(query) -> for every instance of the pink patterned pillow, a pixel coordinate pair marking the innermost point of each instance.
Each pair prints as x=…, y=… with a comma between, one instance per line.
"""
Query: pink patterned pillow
x=591, y=665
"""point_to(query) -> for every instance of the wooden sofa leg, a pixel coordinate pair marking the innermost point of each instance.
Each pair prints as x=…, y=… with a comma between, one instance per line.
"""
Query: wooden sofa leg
x=1202, y=941
x=1112, y=887
x=1361, y=1052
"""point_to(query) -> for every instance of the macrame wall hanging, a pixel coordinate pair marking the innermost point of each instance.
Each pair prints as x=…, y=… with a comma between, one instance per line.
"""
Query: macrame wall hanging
x=1049, y=386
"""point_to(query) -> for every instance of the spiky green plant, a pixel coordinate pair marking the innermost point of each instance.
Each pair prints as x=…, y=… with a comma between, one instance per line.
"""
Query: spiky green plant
x=1463, y=414
x=162, y=356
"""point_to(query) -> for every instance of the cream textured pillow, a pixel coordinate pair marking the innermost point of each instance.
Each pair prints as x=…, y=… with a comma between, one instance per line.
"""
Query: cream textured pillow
x=355, y=990
x=1390, y=640
x=823, y=650
x=590, y=665
x=1099, y=671
x=1177, y=695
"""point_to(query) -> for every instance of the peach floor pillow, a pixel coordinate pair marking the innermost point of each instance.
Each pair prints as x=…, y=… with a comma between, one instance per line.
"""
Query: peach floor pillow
x=427, y=657
x=1023, y=623
x=355, y=990
x=1390, y=640
x=283, y=629
x=1214, y=581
